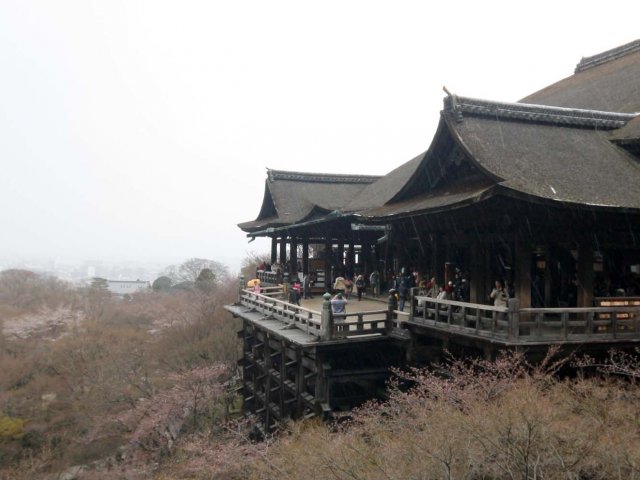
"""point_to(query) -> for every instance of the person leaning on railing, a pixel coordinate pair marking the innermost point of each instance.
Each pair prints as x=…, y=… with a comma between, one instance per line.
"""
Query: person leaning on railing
x=500, y=298
x=339, y=307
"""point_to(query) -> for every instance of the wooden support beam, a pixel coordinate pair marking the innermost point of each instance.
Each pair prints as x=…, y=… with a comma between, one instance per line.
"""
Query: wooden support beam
x=328, y=281
x=266, y=357
x=478, y=288
x=305, y=256
x=274, y=250
x=522, y=278
x=300, y=385
x=283, y=377
x=283, y=252
x=293, y=255
x=585, y=275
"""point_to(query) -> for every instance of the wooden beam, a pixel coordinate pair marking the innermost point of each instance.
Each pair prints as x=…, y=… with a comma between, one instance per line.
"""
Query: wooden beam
x=585, y=275
x=522, y=264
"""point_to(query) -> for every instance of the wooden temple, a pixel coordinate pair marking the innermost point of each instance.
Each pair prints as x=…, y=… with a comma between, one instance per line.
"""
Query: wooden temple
x=543, y=194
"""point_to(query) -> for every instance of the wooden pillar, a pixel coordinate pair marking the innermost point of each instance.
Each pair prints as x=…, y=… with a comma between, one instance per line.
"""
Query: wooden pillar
x=300, y=384
x=522, y=274
x=449, y=272
x=283, y=251
x=328, y=281
x=266, y=358
x=351, y=258
x=477, y=266
x=274, y=250
x=293, y=255
x=585, y=275
x=366, y=258
x=437, y=264
x=283, y=377
x=305, y=256
x=551, y=280
x=488, y=278
x=340, y=262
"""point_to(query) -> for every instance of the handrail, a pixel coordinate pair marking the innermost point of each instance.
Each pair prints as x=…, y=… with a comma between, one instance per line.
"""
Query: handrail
x=580, y=309
x=525, y=325
x=337, y=327
x=457, y=303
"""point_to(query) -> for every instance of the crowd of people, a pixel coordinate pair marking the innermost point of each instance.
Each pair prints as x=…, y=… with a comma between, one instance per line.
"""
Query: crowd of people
x=398, y=284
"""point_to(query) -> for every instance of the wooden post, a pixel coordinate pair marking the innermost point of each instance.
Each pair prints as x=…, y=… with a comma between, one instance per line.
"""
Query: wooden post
x=326, y=320
x=283, y=377
x=514, y=319
x=266, y=358
x=328, y=281
x=305, y=256
x=392, y=304
x=585, y=275
x=300, y=384
x=412, y=304
x=437, y=266
x=523, y=273
x=293, y=255
x=477, y=289
x=283, y=251
x=340, y=264
x=274, y=250
x=365, y=259
x=240, y=287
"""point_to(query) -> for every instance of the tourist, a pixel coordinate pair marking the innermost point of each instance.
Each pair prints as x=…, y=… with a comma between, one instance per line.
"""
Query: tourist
x=339, y=307
x=306, y=286
x=348, y=287
x=293, y=295
x=359, y=286
x=499, y=295
x=374, y=280
x=500, y=298
x=432, y=288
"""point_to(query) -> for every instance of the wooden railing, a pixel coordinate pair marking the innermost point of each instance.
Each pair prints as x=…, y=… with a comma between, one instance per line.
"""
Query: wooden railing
x=324, y=324
x=272, y=303
x=528, y=325
x=512, y=325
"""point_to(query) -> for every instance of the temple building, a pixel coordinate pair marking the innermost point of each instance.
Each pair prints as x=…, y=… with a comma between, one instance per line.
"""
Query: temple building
x=543, y=194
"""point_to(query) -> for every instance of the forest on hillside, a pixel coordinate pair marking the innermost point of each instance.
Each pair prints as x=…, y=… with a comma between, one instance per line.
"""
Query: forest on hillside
x=97, y=387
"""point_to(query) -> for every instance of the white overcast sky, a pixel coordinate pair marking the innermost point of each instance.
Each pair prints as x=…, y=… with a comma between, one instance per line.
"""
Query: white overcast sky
x=141, y=130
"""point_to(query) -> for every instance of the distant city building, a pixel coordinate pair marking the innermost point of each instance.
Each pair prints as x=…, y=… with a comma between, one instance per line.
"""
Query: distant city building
x=126, y=287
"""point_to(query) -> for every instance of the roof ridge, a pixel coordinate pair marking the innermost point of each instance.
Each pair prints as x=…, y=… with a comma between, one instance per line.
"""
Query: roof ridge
x=320, y=177
x=607, y=56
x=536, y=113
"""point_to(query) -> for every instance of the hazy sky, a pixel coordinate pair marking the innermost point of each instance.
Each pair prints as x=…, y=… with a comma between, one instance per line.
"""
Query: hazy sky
x=142, y=129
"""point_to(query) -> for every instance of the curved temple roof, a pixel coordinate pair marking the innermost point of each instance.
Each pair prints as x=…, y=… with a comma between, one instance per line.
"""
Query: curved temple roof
x=567, y=154
x=606, y=81
x=549, y=153
x=294, y=197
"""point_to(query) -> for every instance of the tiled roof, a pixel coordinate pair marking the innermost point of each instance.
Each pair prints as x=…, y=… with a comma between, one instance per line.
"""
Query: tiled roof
x=608, y=56
x=535, y=113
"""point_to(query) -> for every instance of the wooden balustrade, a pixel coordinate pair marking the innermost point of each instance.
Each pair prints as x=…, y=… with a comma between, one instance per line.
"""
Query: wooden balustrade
x=353, y=324
x=526, y=325
x=504, y=324
x=271, y=304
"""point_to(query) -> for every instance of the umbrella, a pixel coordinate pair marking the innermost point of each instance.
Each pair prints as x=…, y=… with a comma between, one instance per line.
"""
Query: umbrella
x=253, y=282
